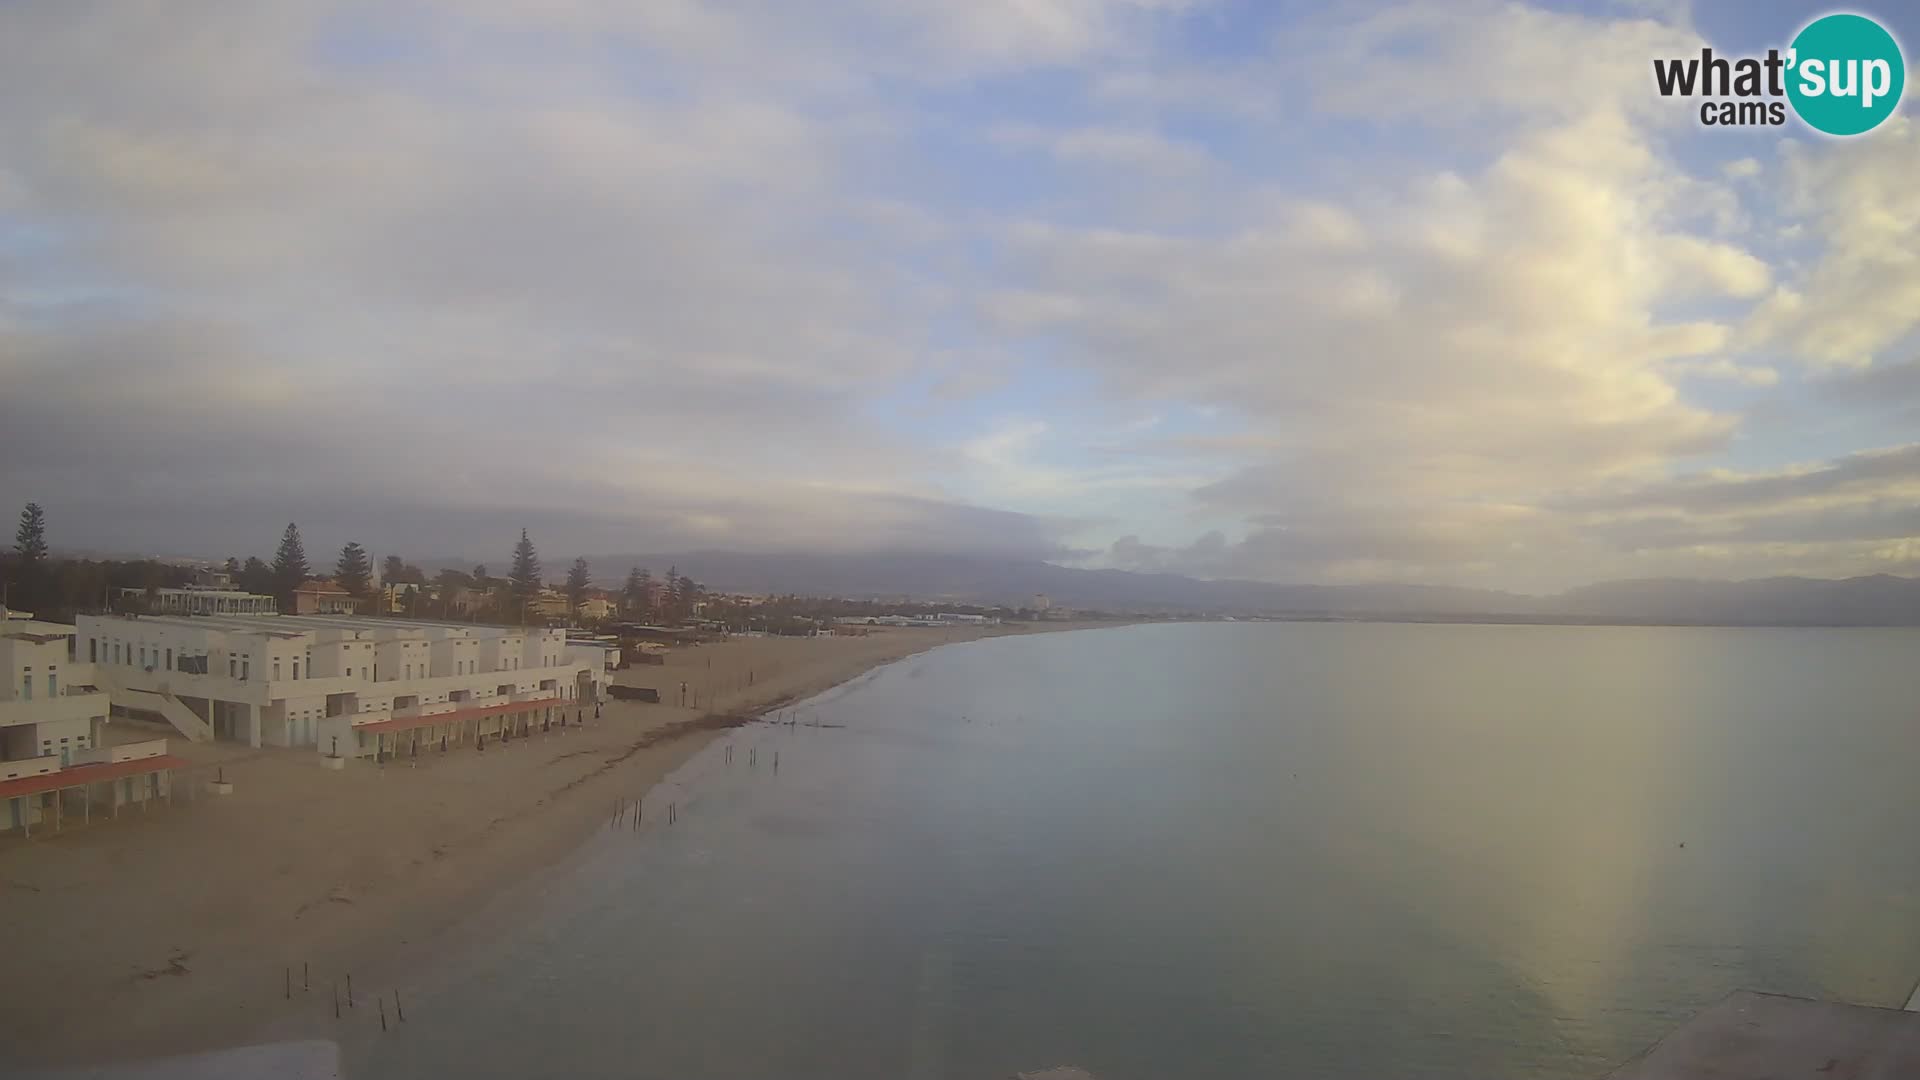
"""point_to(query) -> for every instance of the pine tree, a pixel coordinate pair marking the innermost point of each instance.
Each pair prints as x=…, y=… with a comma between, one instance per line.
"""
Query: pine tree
x=353, y=571
x=255, y=576
x=289, y=566
x=393, y=568
x=525, y=574
x=579, y=580
x=233, y=568
x=670, y=606
x=480, y=576
x=634, y=594
x=685, y=596
x=30, y=539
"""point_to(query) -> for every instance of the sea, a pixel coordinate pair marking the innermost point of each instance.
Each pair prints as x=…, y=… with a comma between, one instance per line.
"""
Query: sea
x=1225, y=850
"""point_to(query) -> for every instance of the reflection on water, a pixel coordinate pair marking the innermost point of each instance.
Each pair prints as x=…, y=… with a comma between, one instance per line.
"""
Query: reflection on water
x=1234, y=850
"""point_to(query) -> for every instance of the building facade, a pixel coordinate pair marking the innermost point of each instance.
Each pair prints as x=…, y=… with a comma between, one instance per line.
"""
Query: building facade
x=49, y=705
x=323, y=598
x=199, y=600
x=350, y=685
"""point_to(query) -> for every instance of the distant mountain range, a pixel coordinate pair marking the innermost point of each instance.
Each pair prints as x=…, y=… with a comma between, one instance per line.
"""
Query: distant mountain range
x=1879, y=600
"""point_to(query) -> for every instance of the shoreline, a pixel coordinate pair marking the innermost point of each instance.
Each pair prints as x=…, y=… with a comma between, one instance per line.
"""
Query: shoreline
x=209, y=924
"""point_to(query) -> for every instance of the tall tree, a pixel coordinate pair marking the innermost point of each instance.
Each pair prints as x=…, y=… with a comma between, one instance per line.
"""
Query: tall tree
x=392, y=569
x=670, y=597
x=480, y=576
x=353, y=571
x=289, y=566
x=255, y=576
x=638, y=593
x=525, y=574
x=579, y=580
x=686, y=595
x=232, y=568
x=30, y=539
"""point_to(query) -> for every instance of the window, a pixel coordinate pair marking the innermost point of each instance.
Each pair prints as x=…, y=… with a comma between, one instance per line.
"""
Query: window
x=53, y=685
x=169, y=659
x=296, y=667
x=93, y=650
x=143, y=656
x=349, y=673
x=245, y=663
x=276, y=669
x=26, y=687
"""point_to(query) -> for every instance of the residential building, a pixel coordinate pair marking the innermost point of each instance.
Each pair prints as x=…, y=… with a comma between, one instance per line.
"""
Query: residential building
x=594, y=609
x=49, y=704
x=355, y=685
x=319, y=597
x=395, y=596
x=547, y=604
x=52, y=714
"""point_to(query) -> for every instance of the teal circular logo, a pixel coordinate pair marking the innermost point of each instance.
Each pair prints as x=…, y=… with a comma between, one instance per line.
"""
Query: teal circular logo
x=1846, y=74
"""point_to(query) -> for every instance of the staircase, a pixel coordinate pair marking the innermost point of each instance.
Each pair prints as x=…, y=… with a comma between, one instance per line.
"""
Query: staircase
x=163, y=702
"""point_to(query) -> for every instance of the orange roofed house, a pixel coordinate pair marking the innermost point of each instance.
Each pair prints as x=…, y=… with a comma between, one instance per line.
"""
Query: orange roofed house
x=319, y=597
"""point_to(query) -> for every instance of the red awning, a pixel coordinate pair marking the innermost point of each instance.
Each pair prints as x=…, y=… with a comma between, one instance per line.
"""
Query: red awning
x=402, y=723
x=80, y=775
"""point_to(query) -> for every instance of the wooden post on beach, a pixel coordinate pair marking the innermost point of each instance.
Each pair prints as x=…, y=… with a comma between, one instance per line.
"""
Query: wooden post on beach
x=398, y=1008
x=349, y=989
x=288, y=993
x=776, y=762
x=305, y=986
x=336, y=1001
x=383, y=1012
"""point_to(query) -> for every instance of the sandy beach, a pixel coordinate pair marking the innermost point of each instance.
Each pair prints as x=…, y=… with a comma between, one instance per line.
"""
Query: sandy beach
x=175, y=930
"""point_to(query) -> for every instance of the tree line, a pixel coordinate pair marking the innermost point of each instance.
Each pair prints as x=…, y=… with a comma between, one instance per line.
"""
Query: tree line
x=58, y=588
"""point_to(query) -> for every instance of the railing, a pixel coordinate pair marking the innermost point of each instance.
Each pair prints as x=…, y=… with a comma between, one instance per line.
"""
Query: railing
x=43, y=710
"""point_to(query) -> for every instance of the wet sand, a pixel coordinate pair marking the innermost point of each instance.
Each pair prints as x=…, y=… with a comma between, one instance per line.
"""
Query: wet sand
x=182, y=928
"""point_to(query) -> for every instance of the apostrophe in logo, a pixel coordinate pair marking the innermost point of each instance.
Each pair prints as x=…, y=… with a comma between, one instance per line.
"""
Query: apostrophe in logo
x=1847, y=74
x=1843, y=75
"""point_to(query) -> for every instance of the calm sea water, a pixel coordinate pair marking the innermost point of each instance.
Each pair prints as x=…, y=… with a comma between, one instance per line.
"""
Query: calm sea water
x=1232, y=850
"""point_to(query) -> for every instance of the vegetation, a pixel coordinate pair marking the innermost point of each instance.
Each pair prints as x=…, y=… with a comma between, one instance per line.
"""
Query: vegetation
x=525, y=575
x=579, y=580
x=353, y=571
x=289, y=566
x=30, y=539
x=58, y=589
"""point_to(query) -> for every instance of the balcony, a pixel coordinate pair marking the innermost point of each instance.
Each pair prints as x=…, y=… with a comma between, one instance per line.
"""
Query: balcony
x=49, y=710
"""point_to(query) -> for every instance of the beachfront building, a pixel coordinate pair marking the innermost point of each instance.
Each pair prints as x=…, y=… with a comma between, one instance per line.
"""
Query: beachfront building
x=49, y=705
x=198, y=600
x=351, y=685
x=319, y=597
x=51, y=719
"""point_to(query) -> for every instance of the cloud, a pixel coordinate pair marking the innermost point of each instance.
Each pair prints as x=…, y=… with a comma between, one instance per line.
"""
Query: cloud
x=1861, y=295
x=1020, y=276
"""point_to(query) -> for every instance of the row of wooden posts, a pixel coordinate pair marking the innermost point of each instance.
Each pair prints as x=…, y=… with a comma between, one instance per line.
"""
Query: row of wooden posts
x=399, y=1010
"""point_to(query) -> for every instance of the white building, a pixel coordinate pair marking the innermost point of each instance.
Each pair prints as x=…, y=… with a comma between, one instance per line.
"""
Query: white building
x=358, y=685
x=202, y=600
x=49, y=705
x=51, y=716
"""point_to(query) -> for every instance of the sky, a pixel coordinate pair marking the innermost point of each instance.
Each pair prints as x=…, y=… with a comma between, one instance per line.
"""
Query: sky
x=1271, y=290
